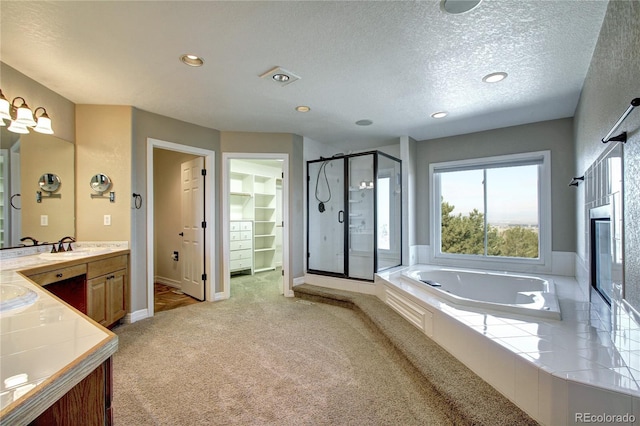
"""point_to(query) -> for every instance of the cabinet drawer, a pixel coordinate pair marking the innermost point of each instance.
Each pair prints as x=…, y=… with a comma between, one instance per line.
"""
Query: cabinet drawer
x=240, y=235
x=236, y=265
x=241, y=245
x=59, y=274
x=240, y=254
x=101, y=267
x=240, y=226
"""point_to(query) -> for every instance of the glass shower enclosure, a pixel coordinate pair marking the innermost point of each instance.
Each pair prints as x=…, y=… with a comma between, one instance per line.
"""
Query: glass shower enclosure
x=354, y=220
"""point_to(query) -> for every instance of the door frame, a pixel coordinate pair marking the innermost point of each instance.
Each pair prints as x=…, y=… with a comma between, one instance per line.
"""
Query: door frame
x=209, y=162
x=226, y=244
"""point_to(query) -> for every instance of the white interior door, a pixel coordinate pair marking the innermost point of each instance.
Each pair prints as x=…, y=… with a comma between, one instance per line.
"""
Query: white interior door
x=192, y=219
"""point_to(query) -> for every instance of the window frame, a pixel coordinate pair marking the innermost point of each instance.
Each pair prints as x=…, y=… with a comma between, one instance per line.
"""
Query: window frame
x=518, y=264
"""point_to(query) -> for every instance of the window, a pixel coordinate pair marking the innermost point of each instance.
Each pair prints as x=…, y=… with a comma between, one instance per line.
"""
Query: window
x=384, y=214
x=492, y=209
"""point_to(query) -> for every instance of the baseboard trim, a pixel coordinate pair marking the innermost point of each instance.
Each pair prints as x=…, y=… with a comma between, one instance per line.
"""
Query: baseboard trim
x=136, y=316
x=167, y=281
x=219, y=296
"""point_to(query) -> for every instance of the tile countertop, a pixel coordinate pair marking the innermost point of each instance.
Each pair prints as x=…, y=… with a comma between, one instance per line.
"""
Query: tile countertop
x=46, y=348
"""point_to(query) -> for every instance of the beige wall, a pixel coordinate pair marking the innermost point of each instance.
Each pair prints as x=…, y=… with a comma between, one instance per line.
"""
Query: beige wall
x=41, y=154
x=167, y=183
x=103, y=145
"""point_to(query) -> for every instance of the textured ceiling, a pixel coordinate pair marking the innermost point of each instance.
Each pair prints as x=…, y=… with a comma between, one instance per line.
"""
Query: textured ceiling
x=394, y=63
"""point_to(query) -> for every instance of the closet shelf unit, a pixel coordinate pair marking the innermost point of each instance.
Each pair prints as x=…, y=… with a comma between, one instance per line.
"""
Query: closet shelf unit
x=253, y=198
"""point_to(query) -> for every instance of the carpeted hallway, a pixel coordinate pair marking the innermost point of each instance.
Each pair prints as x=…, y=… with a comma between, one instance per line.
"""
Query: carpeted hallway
x=261, y=358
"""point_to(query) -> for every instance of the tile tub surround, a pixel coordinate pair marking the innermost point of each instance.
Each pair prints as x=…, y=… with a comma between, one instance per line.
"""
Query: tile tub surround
x=553, y=370
x=46, y=348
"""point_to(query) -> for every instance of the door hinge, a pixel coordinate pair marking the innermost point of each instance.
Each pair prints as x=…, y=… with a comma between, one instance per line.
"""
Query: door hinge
x=204, y=172
x=204, y=277
x=204, y=224
x=283, y=272
x=282, y=175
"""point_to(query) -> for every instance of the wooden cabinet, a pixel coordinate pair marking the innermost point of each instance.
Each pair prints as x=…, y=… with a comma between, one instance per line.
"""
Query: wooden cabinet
x=67, y=283
x=107, y=289
x=87, y=403
x=98, y=288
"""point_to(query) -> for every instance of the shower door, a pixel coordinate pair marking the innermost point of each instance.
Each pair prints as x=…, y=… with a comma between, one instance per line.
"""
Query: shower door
x=325, y=204
x=361, y=213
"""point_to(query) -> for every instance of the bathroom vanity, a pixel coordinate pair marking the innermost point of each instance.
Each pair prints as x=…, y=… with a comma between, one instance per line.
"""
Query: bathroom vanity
x=96, y=286
x=55, y=358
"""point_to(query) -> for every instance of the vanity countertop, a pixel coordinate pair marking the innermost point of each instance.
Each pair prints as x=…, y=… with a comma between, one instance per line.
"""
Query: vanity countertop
x=47, y=346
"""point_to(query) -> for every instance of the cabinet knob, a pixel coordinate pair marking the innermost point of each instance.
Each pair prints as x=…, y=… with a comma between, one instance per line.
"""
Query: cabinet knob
x=59, y=275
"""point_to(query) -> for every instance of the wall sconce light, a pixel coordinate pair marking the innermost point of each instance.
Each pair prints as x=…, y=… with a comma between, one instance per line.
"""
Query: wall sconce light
x=366, y=185
x=21, y=117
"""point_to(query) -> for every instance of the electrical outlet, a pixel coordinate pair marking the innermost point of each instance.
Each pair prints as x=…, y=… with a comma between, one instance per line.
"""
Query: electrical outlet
x=107, y=220
x=44, y=220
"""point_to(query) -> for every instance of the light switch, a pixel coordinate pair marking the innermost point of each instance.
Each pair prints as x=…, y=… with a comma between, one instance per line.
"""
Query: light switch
x=44, y=220
x=107, y=220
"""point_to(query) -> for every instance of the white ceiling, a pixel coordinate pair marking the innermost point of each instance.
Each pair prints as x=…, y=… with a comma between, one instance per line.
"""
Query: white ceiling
x=394, y=63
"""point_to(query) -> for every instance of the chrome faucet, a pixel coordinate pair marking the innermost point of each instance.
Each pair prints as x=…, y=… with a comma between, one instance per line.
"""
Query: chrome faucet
x=34, y=242
x=64, y=240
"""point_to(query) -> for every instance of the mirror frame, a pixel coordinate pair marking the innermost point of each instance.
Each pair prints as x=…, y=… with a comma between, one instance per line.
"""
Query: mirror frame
x=49, y=182
x=100, y=183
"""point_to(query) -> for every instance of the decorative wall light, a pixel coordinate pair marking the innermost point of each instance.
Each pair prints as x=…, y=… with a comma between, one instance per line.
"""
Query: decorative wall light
x=21, y=117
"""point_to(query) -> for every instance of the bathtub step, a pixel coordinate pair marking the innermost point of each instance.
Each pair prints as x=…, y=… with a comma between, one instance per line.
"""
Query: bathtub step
x=470, y=399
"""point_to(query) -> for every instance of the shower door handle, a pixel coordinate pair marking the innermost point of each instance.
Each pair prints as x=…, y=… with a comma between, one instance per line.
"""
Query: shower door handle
x=341, y=216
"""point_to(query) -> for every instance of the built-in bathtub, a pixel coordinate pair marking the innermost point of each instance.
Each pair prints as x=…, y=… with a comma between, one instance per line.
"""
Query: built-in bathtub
x=516, y=294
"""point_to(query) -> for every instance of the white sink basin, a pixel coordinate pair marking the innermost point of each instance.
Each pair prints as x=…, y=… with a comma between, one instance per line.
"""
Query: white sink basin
x=81, y=252
x=13, y=296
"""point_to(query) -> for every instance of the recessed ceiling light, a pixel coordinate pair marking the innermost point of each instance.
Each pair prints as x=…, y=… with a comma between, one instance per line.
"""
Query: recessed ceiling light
x=439, y=114
x=456, y=7
x=494, y=77
x=303, y=108
x=192, y=60
x=281, y=77
x=364, y=122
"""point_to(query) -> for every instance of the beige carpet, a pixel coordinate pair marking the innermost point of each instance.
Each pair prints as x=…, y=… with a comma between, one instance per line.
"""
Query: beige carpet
x=261, y=358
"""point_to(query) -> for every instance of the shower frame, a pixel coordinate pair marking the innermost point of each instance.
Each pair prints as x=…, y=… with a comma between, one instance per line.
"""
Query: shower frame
x=346, y=211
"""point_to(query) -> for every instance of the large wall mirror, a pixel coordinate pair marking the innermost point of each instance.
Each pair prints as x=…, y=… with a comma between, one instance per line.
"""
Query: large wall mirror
x=25, y=158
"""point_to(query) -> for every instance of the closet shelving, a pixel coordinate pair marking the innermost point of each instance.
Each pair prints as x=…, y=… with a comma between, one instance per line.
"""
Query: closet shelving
x=253, y=200
x=265, y=223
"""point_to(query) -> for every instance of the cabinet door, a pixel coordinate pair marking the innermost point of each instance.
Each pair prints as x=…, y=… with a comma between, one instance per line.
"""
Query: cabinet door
x=97, y=299
x=116, y=286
